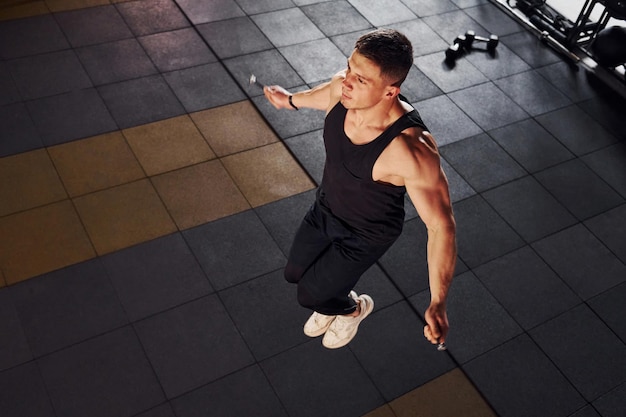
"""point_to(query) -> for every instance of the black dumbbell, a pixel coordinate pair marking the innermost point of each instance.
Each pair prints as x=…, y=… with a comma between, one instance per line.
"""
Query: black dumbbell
x=471, y=37
x=459, y=45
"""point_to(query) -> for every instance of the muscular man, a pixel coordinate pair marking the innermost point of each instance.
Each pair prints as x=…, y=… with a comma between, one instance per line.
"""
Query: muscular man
x=377, y=148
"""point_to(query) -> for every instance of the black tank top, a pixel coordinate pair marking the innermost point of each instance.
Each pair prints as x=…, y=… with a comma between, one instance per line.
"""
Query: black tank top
x=371, y=209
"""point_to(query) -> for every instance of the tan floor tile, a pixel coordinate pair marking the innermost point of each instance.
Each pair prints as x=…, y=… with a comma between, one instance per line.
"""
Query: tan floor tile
x=234, y=128
x=199, y=194
x=267, y=174
x=42, y=240
x=28, y=180
x=384, y=411
x=63, y=5
x=168, y=145
x=17, y=9
x=451, y=394
x=124, y=216
x=95, y=163
x=3, y=282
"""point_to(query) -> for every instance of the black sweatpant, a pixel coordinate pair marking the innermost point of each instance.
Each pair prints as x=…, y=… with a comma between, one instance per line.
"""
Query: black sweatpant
x=326, y=261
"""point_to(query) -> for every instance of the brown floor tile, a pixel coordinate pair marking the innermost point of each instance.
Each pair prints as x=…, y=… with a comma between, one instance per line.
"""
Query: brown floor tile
x=234, y=128
x=124, y=216
x=17, y=9
x=96, y=163
x=42, y=240
x=451, y=394
x=199, y=194
x=267, y=174
x=28, y=180
x=168, y=145
x=3, y=282
x=384, y=411
x=63, y=5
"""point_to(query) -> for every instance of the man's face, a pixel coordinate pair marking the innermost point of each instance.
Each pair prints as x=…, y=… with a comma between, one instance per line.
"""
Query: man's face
x=363, y=86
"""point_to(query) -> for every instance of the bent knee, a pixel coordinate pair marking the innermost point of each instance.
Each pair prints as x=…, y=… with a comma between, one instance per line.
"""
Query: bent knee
x=293, y=273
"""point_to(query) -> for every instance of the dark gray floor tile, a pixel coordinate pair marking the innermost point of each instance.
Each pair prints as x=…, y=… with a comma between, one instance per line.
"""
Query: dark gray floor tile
x=255, y=6
x=449, y=77
x=202, y=11
x=283, y=217
x=469, y=3
x=396, y=334
x=163, y=410
x=30, y=36
x=18, y=133
x=315, y=61
x=481, y=162
x=531, y=49
x=527, y=288
x=147, y=17
x=425, y=40
x=473, y=331
x=310, y=152
x=446, y=121
x=23, y=393
x=570, y=80
x=115, y=61
x=48, y=74
x=346, y=42
x=102, y=377
x=8, y=89
x=386, y=13
x=424, y=8
x=499, y=64
x=417, y=86
x=610, y=164
x=587, y=411
x=269, y=67
x=155, y=276
x=613, y=403
x=517, y=367
x=234, y=37
x=610, y=228
x=585, y=350
x=609, y=306
x=177, y=49
x=529, y=208
x=488, y=106
x=482, y=235
x=140, y=101
x=254, y=397
x=576, y=130
x=493, y=19
x=608, y=111
x=335, y=18
x=279, y=27
x=192, y=84
x=375, y=283
x=582, y=261
x=192, y=345
x=531, y=145
x=452, y=24
x=67, y=306
x=267, y=313
x=93, y=25
x=290, y=123
x=234, y=249
x=14, y=348
x=341, y=388
x=579, y=189
x=458, y=187
x=405, y=261
x=533, y=93
x=69, y=116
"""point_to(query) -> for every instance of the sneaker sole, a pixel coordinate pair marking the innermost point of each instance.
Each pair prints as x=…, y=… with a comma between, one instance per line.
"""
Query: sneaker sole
x=320, y=331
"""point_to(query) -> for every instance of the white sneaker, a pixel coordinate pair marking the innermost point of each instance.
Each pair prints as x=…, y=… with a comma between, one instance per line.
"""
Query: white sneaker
x=343, y=329
x=317, y=324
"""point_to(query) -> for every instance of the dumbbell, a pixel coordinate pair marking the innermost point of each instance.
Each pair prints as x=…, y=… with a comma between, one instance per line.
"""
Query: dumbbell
x=471, y=37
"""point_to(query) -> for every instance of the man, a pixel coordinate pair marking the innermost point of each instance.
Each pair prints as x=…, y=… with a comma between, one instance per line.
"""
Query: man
x=377, y=148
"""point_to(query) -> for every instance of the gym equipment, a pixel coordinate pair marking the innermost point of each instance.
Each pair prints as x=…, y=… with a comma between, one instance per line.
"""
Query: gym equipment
x=463, y=43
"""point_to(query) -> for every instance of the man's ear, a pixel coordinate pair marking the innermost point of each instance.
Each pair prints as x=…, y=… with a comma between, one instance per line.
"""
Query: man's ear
x=392, y=92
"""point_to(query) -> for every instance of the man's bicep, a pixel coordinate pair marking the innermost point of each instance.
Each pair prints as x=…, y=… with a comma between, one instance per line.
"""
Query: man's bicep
x=432, y=201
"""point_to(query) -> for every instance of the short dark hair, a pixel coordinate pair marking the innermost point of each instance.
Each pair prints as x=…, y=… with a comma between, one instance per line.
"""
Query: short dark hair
x=390, y=50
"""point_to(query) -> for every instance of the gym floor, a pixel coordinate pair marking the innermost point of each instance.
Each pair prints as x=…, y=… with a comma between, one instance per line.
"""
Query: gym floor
x=148, y=197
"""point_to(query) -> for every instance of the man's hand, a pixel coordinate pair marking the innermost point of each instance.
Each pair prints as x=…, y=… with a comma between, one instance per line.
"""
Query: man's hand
x=437, y=326
x=277, y=96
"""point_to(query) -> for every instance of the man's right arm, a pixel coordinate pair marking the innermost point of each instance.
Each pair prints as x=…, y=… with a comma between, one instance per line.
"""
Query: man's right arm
x=321, y=97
